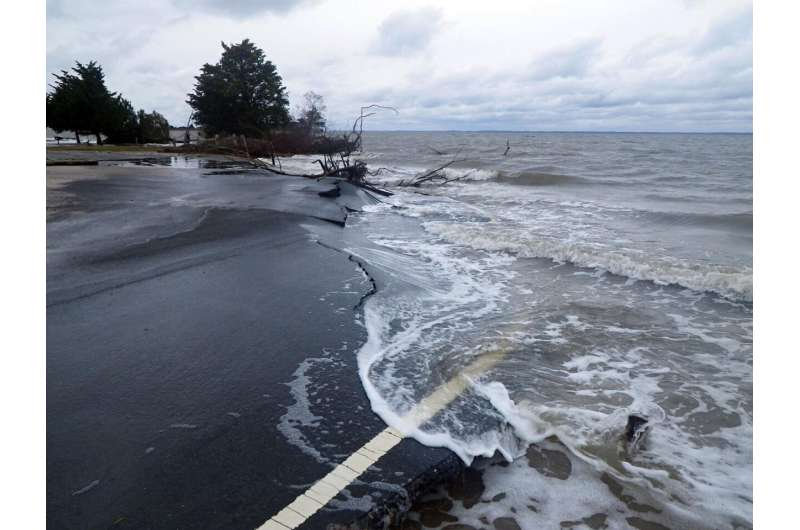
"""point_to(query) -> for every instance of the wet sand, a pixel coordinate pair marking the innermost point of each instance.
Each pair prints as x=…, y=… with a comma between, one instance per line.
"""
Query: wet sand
x=183, y=306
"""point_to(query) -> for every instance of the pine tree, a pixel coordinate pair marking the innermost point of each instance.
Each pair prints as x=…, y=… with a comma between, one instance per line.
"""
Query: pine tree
x=119, y=122
x=242, y=94
x=63, y=105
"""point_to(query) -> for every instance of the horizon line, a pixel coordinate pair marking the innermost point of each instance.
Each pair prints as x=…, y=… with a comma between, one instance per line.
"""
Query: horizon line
x=552, y=131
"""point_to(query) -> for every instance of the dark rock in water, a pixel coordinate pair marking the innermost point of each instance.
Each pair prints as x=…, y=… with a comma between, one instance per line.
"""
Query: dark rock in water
x=331, y=193
x=618, y=490
x=636, y=429
x=441, y=504
x=410, y=524
x=506, y=523
x=433, y=519
x=644, y=524
x=549, y=463
x=595, y=522
x=468, y=488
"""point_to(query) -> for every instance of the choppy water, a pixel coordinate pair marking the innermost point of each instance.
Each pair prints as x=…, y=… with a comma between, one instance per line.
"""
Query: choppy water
x=607, y=274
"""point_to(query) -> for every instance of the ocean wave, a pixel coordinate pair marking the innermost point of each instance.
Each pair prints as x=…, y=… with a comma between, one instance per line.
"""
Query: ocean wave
x=519, y=178
x=393, y=174
x=535, y=178
x=473, y=174
x=471, y=348
x=535, y=351
x=728, y=220
x=728, y=281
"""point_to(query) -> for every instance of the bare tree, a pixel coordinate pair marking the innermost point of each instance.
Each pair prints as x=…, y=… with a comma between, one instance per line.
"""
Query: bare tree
x=337, y=151
x=311, y=116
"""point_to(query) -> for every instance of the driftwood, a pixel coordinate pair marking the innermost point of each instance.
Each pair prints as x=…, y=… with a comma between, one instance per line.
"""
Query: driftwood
x=337, y=158
x=337, y=153
x=436, y=176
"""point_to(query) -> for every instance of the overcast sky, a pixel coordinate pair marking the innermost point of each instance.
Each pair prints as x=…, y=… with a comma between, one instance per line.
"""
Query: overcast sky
x=635, y=65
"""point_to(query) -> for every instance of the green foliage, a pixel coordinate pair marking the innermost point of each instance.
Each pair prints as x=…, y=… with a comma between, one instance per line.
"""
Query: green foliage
x=63, y=113
x=153, y=127
x=120, y=123
x=81, y=102
x=241, y=94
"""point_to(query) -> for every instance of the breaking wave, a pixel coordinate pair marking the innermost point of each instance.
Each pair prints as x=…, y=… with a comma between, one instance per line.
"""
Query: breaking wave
x=534, y=178
x=483, y=346
x=478, y=343
x=728, y=281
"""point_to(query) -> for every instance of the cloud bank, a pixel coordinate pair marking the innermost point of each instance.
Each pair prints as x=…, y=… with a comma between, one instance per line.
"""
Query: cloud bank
x=653, y=65
x=407, y=32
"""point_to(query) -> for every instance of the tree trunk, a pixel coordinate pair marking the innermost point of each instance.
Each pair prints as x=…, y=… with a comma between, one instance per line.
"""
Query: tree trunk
x=77, y=138
x=99, y=140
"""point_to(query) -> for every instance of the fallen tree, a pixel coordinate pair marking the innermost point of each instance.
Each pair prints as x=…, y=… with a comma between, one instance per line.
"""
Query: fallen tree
x=337, y=154
x=337, y=151
x=437, y=176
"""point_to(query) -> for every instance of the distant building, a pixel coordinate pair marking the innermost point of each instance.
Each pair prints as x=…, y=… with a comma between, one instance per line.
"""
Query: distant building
x=178, y=134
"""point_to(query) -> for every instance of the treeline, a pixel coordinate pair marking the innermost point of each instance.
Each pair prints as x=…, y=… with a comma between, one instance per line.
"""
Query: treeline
x=81, y=102
x=240, y=99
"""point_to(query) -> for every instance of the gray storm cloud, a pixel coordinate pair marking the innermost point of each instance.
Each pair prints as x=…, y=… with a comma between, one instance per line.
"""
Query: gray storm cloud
x=407, y=32
x=672, y=66
x=241, y=8
x=571, y=61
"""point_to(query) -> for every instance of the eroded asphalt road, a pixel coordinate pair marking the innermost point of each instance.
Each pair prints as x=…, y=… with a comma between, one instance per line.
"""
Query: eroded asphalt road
x=201, y=368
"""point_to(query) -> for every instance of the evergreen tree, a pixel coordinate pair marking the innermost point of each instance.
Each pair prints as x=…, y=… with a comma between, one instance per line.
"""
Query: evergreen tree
x=63, y=107
x=119, y=122
x=242, y=94
x=80, y=101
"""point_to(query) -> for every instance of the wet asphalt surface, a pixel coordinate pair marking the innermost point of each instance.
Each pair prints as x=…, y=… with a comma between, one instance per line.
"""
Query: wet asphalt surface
x=184, y=305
